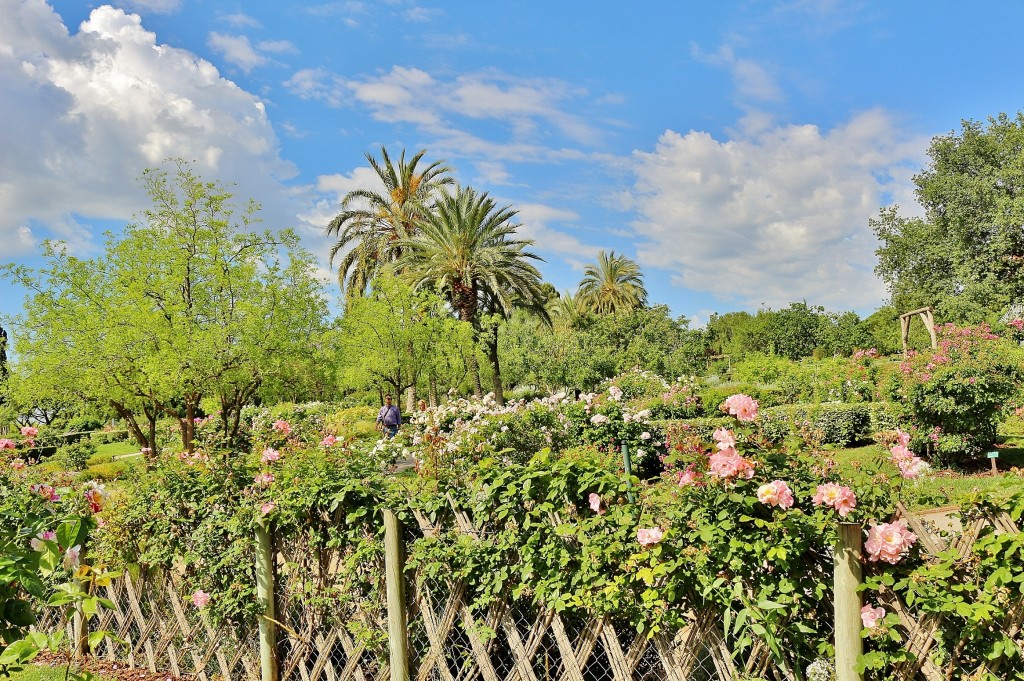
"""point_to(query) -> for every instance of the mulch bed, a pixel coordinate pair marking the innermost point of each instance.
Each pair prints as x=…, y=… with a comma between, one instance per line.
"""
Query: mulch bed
x=113, y=671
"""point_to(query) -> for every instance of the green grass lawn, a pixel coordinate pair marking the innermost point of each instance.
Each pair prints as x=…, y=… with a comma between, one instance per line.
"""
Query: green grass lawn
x=106, y=453
x=943, y=487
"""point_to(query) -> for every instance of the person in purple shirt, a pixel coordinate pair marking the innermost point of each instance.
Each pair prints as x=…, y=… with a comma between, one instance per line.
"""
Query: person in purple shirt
x=389, y=418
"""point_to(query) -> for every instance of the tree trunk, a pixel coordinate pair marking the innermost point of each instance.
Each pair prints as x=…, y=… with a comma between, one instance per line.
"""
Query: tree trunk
x=432, y=389
x=133, y=425
x=410, y=399
x=474, y=372
x=464, y=300
x=491, y=341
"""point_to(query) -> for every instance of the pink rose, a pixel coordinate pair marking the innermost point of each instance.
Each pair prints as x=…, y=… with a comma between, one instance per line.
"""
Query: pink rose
x=649, y=536
x=595, y=503
x=18, y=464
x=37, y=543
x=29, y=431
x=200, y=598
x=839, y=497
x=267, y=507
x=776, y=493
x=870, y=617
x=73, y=556
x=270, y=455
x=743, y=407
x=282, y=427
x=263, y=479
x=900, y=452
x=725, y=438
x=328, y=441
x=889, y=541
x=45, y=491
x=7, y=444
x=689, y=476
x=728, y=465
x=912, y=468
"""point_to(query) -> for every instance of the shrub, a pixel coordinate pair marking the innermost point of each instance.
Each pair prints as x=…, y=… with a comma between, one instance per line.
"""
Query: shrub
x=713, y=396
x=682, y=401
x=636, y=384
x=834, y=423
x=105, y=437
x=955, y=396
x=75, y=456
x=112, y=470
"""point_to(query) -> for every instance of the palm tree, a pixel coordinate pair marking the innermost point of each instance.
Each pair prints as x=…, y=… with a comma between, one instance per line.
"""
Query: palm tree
x=465, y=246
x=372, y=223
x=567, y=309
x=613, y=284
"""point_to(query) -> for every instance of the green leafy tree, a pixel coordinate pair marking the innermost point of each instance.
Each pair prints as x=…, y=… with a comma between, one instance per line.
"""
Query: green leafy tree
x=395, y=336
x=964, y=257
x=372, y=223
x=612, y=285
x=466, y=248
x=189, y=303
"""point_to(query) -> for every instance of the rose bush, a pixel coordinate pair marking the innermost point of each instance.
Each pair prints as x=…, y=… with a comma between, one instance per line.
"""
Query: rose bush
x=955, y=396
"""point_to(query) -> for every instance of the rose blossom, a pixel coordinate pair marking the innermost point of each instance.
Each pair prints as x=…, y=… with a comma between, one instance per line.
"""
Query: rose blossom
x=267, y=507
x=870, y=617
x=888, y=542
x=269, y=455
x=743, y=407
x=37, y=542
x=328, y=441
x=727, y=464
x=776, y=493
x=45, y=491
x=7, y=444
x=615, y=393
x=29, y=431
x=649, y=536
x=18, y=464
x=913, y=467
x=73, y=556
x=595, y=503
x=689, y=476
x=94, y=492
x=200, y=598
x=645, y=435
x=282, y=427
x=839, y=497
x=725, y=438
x=264, y=478
x=598, y=419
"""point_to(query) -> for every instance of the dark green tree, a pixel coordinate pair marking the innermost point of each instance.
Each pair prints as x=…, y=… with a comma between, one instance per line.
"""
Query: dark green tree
x=964, y=257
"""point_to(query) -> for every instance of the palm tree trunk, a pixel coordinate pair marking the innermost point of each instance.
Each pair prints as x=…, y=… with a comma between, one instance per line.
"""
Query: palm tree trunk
x=492, y=355
x=464, y=299
x=474, y=372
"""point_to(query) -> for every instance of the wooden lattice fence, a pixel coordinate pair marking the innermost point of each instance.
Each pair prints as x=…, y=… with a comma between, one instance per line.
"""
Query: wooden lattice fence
x=326, y=633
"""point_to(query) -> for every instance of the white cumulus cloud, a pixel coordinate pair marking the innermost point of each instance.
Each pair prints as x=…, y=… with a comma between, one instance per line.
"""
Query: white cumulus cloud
x=96, y=107
x=777, y=214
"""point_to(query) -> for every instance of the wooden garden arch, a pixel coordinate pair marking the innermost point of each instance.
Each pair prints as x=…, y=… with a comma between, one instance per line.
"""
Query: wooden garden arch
x=929, y=323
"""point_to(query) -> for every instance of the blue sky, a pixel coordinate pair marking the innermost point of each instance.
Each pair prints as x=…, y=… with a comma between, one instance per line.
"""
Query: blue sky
x=736, y=150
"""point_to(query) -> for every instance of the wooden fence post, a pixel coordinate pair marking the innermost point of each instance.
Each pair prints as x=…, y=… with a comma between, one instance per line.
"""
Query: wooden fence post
x=847, y=602
x=265, y=593
x=394, y=577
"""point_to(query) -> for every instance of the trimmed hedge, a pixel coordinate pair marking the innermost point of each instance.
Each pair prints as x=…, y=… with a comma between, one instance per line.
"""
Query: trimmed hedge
x=713, y=396
x=840, y=423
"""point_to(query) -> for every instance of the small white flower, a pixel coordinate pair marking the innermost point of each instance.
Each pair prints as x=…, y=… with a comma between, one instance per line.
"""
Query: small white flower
x=645, y=435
